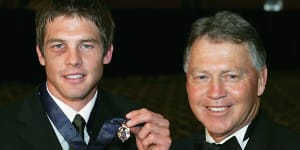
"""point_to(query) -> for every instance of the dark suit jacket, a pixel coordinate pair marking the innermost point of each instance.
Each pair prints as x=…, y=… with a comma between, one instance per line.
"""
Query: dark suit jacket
x=264, y=134
x=25, y=126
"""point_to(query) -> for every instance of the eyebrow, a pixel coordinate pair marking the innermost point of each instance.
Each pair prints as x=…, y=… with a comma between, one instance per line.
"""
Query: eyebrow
x=89, y=40
x=54, y=40
x=80, y=41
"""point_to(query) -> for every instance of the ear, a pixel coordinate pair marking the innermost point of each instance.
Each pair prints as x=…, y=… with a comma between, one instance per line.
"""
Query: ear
x=108, y=56
x=262, y=81
x=40, y=55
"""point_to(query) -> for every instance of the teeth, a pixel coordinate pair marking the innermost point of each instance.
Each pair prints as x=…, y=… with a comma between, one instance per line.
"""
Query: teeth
x=217, y=108
x=75, y=76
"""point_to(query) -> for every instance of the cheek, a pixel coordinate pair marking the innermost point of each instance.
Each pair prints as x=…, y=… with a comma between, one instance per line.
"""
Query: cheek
x=53, y=69
x=236, y=91
x=195, y=101
x=194, y=95
x=53, y=64
x=92, y=61
x=241, y=90
x=244, y=96
x=94, y=65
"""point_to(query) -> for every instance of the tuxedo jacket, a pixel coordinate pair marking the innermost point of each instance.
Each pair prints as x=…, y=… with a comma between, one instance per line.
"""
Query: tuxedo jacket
x=264, y=134
x=25, y=125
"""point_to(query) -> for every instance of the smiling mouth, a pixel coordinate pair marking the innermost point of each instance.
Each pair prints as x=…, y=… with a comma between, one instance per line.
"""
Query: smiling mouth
x=217, y=109
x=74, y=76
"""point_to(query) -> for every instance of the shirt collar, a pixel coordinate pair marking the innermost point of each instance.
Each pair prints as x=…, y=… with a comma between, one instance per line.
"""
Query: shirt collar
x=70, y=112
x=238, y=134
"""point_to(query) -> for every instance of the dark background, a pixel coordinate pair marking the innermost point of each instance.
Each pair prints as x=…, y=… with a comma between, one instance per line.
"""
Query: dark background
x=147, y=62
x=147, y=42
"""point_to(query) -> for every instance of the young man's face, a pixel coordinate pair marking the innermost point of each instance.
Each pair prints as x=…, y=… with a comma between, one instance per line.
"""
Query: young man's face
x=73, y=58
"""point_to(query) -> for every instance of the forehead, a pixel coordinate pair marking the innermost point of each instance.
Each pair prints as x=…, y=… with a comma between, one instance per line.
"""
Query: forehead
x=205, y=52
x=71, y=20
x=71, y=26
x=204, y=46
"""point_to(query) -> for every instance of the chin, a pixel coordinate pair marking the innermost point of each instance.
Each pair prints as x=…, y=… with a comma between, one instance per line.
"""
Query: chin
x=217, y=127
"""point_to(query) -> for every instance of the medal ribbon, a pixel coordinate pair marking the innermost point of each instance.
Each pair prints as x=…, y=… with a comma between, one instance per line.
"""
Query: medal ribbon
x=106, y=134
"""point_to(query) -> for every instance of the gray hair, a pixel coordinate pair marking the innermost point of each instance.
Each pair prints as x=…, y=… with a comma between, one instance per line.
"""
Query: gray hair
x=231, y=27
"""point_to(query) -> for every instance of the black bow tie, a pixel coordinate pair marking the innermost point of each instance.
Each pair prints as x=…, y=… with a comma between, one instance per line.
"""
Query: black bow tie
x=231, y=144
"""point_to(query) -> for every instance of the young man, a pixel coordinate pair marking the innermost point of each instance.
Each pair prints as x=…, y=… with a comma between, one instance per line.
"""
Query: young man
x=226, y=73
x=74, y=41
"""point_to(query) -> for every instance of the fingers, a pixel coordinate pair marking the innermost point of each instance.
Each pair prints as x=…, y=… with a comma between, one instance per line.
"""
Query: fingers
x=154, y=134
x=154, y=142
x=154, y=128
x=144, y=115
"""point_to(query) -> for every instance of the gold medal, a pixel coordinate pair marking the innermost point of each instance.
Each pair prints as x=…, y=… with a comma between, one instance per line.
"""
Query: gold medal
x=123, y=132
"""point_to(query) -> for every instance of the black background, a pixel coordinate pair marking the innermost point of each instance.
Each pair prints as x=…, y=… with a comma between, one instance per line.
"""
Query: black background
x=146, y=42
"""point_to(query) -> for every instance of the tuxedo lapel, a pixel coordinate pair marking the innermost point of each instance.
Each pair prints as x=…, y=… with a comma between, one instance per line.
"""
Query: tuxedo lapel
x=34, y=126
x=199, y=140
x=259, y=131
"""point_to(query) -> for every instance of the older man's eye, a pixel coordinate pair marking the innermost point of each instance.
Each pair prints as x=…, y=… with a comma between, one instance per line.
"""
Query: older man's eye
x=233, y=77
x=202, y=77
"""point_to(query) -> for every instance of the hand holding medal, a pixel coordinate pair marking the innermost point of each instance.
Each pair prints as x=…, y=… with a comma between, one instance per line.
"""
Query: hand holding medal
x=154, y=134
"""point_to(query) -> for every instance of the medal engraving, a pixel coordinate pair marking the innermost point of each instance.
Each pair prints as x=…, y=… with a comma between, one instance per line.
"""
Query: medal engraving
x=123, y=132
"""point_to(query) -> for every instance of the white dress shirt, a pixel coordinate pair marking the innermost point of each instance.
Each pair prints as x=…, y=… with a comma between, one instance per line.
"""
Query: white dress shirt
x=238, y=134
x=70, y=113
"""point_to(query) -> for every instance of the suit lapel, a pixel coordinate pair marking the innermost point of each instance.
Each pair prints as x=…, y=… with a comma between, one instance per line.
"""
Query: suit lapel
x=102, y=111
x=107, y=107
x=34, y=126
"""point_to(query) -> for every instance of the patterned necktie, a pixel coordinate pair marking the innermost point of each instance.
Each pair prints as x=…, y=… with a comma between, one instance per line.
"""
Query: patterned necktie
x=231, y=144
x=79, y=124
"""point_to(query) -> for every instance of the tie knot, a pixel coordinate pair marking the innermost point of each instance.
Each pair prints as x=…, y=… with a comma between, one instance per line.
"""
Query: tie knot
x=79, y=124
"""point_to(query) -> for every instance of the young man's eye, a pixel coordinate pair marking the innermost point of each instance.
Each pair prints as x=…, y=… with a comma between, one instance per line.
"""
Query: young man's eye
x=87, y=46
x=58, y=46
